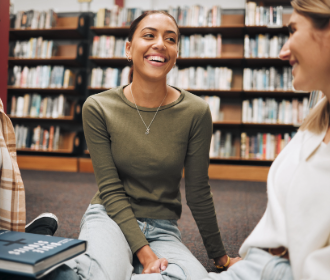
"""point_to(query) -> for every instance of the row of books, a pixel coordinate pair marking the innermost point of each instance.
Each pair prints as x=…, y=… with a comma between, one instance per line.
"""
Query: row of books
x=38, y=138
x=272, y=111
x=35, y=19
x=263, y=146
x=260, y=15
x=267, y=79
x=196, y=15
x=263, y=46
x=116, y=17
x=216, y=78
x=33, y=105
x=109, y=77
x=108, y=46
x=34, y=48
x=214, y=104
x=42, y=77
x=224, y=145
x=198, y=45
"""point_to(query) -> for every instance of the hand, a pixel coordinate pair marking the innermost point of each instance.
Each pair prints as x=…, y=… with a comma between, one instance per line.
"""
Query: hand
x=223, y=260
x=149, y=261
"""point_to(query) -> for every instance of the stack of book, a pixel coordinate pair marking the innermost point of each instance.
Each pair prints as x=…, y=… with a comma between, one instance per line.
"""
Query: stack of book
x=196, y=15
x=35, y=20
x=116, y=17
x=200, y=46
x=108, y=46
x=271, y=111
x=214, y=104
x=199, y=78
x=33, y=105
x=109, y=77
x=224, y=145
x=263, y=46
x=263, y=146
x=38, y=138
x=255, y=15
x=267, y=79
x=34, y=48
x=42, y=77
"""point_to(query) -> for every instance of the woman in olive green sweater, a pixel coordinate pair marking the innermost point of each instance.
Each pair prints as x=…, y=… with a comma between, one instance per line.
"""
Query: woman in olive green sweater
x=140, y=138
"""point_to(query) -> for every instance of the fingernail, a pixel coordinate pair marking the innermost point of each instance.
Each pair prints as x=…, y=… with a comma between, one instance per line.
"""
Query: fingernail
x=163, y=267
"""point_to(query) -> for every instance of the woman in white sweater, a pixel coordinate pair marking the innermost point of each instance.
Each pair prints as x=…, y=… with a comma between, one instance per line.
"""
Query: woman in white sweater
x=292, y=239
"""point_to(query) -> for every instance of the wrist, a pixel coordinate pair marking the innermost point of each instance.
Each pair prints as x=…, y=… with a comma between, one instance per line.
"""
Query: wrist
x=146, y=255
x=221, y=260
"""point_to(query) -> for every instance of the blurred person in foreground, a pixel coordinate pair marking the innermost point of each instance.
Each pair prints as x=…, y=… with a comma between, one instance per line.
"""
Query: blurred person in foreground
x=292, y=239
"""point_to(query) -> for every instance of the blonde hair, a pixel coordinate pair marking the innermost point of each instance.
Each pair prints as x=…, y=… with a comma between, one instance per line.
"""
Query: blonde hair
x=319, y=12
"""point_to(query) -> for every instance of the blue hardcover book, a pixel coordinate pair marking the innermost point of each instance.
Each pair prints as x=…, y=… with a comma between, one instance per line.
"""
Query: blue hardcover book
x=35, y=255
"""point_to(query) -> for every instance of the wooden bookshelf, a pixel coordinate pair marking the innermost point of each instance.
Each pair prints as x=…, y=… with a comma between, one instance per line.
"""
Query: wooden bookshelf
x=66, y=27
x=52, y=91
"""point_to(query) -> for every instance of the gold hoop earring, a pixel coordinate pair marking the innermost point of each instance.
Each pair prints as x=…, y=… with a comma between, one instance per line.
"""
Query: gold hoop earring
x=129, y=59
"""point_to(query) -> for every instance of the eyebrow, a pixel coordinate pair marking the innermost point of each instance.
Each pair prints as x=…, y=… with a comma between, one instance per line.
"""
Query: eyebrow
x=154, y=29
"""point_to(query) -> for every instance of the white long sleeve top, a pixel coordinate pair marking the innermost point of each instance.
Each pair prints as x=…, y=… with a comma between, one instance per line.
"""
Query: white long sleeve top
x=298, y=210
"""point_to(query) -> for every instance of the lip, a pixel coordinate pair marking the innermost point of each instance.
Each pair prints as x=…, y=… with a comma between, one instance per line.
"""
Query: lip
x=155, y=63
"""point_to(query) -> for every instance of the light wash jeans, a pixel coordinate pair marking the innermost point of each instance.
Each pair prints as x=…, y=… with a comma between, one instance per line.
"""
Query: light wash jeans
x=108, y=256
x=257, y=265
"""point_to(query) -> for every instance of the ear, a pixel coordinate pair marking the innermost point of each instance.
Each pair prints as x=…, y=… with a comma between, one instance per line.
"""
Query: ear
x=128, y=50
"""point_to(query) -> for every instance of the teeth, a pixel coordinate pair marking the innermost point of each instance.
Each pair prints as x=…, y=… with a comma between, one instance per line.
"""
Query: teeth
x=156, y=58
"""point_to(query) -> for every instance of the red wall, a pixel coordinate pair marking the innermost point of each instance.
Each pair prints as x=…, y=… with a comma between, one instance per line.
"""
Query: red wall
x=4, y=49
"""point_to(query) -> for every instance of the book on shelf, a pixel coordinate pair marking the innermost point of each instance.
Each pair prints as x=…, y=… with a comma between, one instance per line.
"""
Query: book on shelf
x=33, y=105
x=116, y=17
x=42, y=77
x=34, y=48
x=109, y=77
x=214, y=104
x=260, y=15
x=36, y=255
x=314, y=98
x=264, y=46
x=197, y=45
x=35, y=19
x=267, y=79
x=199, y=78
x=274, y=112
x=37, y=138
x=108, y=46
x=196, y=15
x=224, y=145
x=263, y=146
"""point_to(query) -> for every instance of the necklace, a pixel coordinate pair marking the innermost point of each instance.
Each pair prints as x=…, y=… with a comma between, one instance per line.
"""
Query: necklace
x=147, y=127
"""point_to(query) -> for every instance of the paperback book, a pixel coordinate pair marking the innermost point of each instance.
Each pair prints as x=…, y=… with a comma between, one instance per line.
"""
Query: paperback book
x=35, y=255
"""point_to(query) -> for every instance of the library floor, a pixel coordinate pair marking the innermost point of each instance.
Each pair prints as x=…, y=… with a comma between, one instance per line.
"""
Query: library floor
x=239, y=206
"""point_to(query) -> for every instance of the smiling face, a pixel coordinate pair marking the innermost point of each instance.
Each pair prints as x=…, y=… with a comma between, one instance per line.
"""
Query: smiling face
x=153, y=48
x=308, y=50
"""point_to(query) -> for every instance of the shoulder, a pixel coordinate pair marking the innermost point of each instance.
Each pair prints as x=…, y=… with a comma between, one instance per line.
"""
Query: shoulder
x=104, y=97
x=195, y=103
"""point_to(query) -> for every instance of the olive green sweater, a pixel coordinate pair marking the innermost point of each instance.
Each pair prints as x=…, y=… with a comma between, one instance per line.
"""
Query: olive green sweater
x=139, y=175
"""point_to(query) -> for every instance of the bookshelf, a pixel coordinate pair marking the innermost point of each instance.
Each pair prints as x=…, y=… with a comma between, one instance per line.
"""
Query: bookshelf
x=232, y=29
x=70, y=37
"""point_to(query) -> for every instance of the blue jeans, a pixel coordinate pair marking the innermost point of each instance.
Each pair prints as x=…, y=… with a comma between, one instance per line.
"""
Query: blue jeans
x=257, y=265
x=109, y=257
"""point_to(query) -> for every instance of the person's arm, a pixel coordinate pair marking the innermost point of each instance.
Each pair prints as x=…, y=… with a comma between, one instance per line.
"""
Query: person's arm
x=198, y=192
x=111, y=189
x=316, y=266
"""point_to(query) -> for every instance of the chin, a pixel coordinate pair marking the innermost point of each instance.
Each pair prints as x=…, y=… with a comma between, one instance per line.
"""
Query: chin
x=299, y=85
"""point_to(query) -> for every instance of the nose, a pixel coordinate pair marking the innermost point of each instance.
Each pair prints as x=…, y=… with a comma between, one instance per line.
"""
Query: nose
x=285, y=51
x=159, y=44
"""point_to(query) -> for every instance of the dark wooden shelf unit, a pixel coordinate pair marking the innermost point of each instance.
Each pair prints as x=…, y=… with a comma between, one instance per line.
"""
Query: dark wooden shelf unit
x=67, y=55
x=66, y=27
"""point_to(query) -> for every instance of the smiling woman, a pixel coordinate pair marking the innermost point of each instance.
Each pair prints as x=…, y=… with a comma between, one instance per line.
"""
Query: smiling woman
x=140, y=137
